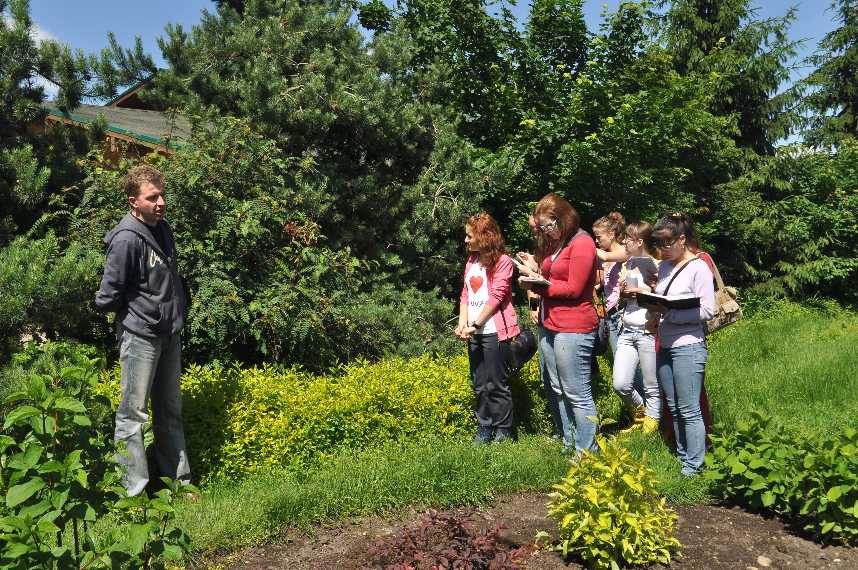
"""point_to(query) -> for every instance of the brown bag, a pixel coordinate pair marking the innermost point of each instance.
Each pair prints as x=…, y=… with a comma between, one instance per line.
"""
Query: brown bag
x=727, y=309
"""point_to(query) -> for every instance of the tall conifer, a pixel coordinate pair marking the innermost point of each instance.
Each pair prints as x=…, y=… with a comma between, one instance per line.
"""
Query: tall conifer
x=750, y=55
x=833, y=99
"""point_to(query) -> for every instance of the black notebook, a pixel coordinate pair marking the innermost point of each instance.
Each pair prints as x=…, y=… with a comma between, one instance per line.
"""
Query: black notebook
x=669, y=301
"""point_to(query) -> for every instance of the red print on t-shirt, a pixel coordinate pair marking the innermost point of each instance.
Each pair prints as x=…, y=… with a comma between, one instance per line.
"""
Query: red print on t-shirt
x=476, y=283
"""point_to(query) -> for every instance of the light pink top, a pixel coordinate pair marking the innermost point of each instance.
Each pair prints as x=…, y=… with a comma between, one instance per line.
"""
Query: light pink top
x=611, y=283
x=680, y=327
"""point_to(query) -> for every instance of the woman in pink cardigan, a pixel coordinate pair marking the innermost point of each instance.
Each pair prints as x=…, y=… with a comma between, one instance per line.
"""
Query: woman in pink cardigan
x=487, y=321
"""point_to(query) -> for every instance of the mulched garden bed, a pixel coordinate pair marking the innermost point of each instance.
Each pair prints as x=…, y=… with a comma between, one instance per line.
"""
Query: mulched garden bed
x=712, y=537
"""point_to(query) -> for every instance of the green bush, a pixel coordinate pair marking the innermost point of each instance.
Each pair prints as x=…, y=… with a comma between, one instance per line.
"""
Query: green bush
x=50, y=359
x=59, y=477
x=244, y=420
x=811, y=481
x=609, y=512
x=265, y=283
x=46, y=291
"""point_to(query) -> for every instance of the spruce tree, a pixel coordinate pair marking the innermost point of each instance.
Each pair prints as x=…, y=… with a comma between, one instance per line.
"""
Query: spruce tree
x=832, y=102
x=750, y=56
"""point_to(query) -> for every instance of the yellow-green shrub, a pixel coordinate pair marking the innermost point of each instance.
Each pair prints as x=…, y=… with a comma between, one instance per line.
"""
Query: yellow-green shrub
x=242, y=420
x=609, y=513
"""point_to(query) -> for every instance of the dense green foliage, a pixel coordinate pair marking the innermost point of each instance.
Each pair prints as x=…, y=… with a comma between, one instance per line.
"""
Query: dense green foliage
x=609, y=512
x=832, y=101
x=810, y=480
x=264, y=284
x=749, y=58
x=241, y=421
x=33, y=164
x=47, y=290
x=59, y=478
x=319, y=206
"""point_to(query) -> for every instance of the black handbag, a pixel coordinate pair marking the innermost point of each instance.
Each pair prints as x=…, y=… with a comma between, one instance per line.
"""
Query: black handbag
x=521, y=349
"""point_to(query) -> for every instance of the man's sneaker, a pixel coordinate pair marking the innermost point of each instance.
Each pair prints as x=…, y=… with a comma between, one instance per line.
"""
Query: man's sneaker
x=502, y=435
x=484, y=435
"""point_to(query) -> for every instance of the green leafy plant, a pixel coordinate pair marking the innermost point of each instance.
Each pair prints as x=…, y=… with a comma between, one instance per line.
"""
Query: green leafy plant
x=608, y=511
x=809, y=481
x=59, y=477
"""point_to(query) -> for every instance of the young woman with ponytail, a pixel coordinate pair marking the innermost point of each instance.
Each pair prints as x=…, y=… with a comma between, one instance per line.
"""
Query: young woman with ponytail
x=682, y=353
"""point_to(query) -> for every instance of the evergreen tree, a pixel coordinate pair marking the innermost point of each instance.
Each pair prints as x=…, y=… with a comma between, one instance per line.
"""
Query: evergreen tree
x=833, y=98
x=750, y=57
x=33, y=164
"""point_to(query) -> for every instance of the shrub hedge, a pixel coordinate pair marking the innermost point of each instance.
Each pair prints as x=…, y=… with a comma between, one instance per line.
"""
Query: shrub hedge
x=810, y=480
x=245, y=420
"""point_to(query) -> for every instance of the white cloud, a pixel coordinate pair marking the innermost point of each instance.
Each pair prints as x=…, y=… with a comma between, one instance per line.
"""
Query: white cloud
x=39, y=34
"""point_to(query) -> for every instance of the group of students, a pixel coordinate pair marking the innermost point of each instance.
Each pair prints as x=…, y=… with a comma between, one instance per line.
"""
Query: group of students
x=657, y=351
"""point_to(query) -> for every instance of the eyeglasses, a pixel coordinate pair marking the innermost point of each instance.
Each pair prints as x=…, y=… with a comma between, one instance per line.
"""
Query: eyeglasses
x=550, y=226
x=630, y=238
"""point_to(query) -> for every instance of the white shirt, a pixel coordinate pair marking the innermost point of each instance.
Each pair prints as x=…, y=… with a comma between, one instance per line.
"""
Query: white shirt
x=477, y=283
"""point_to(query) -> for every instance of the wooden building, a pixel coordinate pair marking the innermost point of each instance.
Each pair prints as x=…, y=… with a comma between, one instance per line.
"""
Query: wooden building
x=132, y=130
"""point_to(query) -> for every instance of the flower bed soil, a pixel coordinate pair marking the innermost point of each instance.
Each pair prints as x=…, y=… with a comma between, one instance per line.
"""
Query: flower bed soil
x=712, y=537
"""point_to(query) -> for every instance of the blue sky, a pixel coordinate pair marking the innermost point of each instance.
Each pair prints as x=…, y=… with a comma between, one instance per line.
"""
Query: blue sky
x=84, y=23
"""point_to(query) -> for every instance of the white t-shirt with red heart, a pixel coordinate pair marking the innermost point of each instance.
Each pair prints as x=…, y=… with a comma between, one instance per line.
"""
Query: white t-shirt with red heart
x=478, y=295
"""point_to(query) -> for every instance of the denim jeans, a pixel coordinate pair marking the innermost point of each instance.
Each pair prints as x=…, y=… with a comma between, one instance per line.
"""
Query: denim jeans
x=615, y=321
x=150, y=368
x=615, y=328
x=680, y=374
x=550, y=395
x=636, y=346
x=489, y=376
x=567, y=362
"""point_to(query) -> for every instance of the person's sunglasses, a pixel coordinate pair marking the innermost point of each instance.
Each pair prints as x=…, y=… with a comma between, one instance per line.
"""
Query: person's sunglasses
x=665, y=243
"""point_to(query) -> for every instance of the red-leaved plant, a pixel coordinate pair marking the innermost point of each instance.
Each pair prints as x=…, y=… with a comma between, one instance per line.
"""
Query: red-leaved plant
x=439, y=541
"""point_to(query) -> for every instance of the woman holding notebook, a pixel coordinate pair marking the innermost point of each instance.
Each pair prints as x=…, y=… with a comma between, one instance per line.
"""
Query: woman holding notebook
x=635, y=344
x=681, y=356
x=566, y=258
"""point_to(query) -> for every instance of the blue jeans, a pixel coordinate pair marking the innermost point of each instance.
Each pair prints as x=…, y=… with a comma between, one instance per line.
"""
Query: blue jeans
x=637, y=347
x=680, y=375
x=615, y=320
x=150, y=367
x=615, y=328
x=566, y=357
x=550, y=394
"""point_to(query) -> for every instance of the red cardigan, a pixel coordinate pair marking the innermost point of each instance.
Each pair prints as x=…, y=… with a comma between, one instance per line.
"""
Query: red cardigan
x=568, y=301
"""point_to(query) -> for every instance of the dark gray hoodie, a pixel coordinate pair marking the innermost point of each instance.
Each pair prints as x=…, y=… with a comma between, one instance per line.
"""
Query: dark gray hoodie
x=141, y=282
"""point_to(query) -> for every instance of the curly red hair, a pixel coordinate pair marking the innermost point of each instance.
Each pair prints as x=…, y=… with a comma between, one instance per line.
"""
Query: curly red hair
x=488, y=239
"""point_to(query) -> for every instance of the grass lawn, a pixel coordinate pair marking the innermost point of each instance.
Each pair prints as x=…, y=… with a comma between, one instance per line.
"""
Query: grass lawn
x=797, y=364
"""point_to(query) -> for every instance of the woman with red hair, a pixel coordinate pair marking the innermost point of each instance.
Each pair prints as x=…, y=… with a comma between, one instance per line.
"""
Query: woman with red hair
x=487, y=321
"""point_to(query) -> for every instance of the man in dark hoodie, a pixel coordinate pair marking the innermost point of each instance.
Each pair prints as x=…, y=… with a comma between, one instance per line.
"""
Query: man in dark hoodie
x=141, y=284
